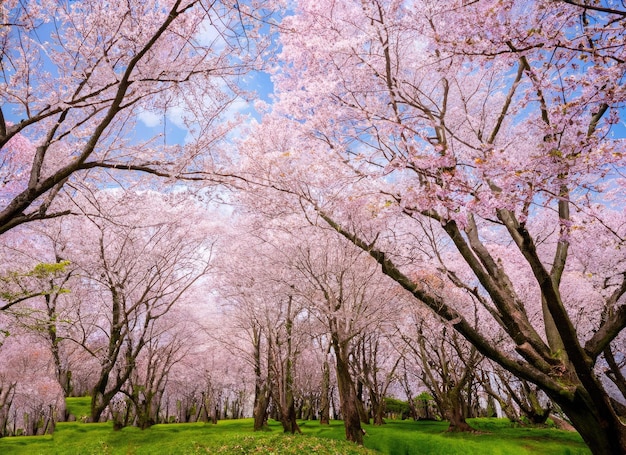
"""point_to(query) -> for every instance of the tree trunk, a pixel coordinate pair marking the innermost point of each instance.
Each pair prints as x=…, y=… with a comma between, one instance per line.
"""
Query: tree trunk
x=455, y=410
x=601, y=429
x=260, y=409
x=99, y=402
x=287, y=403
x=409, y=393
x=261, y=387
x=348, y=398
x=325, y=399
x=145, y=418
x=536, y=414
x=360, y=403
x=456, y=416
x=378, y=409
x=286, y=399
x=290, y=425
x=214, y=414
x=6, y=400
x=100, y=398
x=614, y=373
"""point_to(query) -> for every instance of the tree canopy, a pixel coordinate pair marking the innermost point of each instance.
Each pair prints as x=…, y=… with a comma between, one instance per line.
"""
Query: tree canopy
x=454, y=168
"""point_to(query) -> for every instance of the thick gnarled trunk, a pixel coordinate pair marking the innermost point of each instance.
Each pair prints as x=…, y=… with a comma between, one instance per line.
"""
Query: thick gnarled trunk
x=599, y=426
x=456, y=414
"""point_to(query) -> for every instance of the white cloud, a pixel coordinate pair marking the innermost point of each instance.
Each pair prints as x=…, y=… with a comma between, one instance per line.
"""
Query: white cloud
x=210, y=36
x=177, y=115
x=150, y=119
x=239, y=106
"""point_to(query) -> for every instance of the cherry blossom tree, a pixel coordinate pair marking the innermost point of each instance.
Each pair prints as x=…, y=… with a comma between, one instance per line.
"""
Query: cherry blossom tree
x=493, y=123
x=31, y=398
x=36, y=301
x=208, y=383
x=448, y=367
x=146, y=386
x=349, y=299
x=375, y=368
x=516, y=397
x=249, y=300
x=265, y=304
x=76, y=78
x=139, y=267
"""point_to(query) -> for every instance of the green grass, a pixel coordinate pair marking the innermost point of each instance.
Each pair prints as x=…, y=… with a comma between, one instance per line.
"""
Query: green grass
x=227, y=437
x=494, y=437
x=236, y=437
x=80, y=407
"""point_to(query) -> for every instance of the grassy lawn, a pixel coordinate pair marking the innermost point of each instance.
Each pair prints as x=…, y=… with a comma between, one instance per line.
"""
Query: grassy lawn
x=236, y=437
x=495, y=437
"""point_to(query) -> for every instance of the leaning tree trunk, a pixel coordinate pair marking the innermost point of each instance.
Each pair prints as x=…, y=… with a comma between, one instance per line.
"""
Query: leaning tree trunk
x=532, y=409
x=597, y=423
x=99, y=399
x=363, y=411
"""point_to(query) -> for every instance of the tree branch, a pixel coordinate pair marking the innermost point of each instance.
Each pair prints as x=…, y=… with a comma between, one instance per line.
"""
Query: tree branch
x=601, y=9
x=484, y=346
